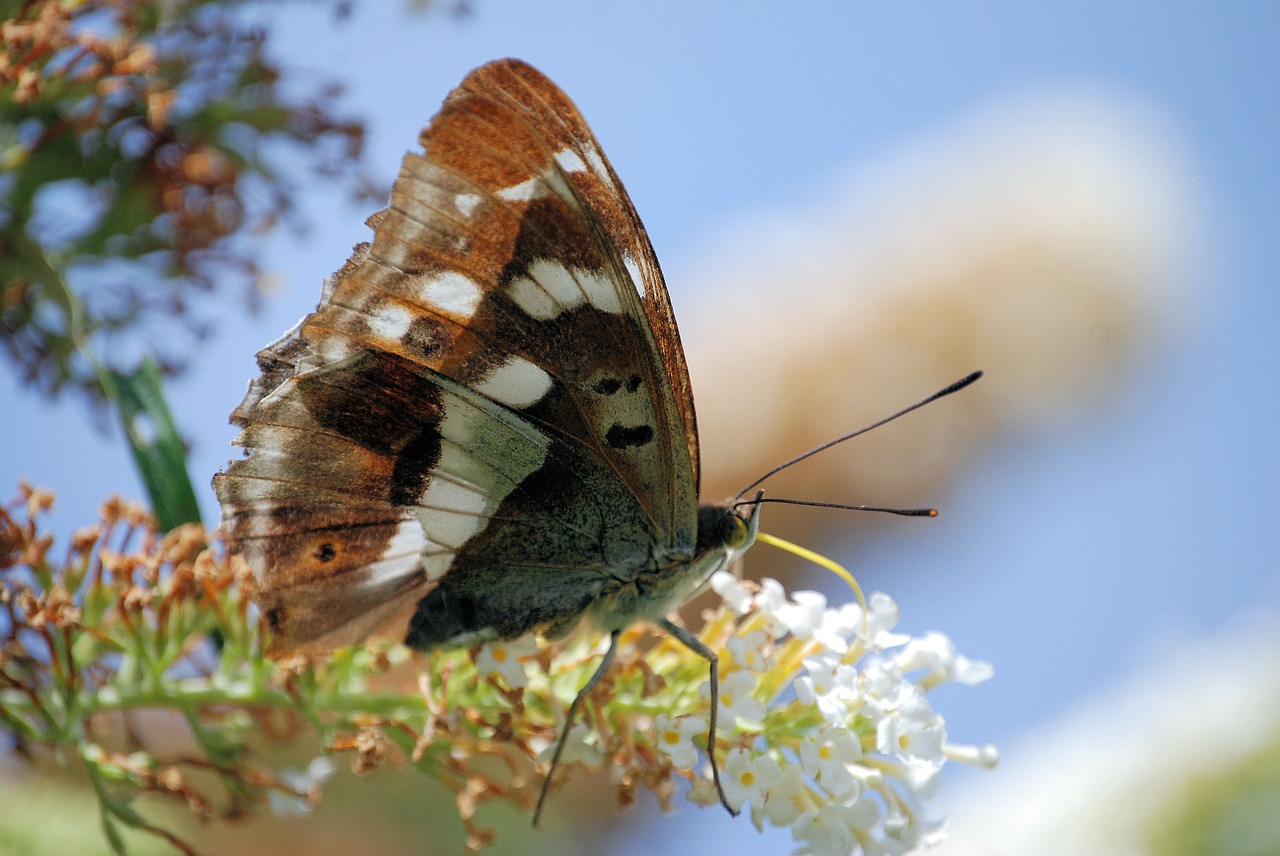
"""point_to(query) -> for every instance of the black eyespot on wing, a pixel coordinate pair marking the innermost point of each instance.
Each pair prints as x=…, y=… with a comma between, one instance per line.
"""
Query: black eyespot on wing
x=326, y=552
x=619, y=437
x=608, y=386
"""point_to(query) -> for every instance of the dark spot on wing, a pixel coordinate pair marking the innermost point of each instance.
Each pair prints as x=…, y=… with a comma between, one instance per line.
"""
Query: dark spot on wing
x=275, y=618
x=608, y=386
x=413, y=467
x=427, y=337
x=326, y=552
x=619, y=437
x=611, y=385
x=387, y=405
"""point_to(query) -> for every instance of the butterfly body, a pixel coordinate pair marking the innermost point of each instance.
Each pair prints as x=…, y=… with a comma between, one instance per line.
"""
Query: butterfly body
x=480, y=601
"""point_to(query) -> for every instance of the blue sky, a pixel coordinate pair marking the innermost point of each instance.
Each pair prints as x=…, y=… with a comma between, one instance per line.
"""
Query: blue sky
x=1068, y=558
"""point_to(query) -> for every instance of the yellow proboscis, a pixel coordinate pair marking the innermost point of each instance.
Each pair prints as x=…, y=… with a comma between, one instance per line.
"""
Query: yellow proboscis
x=818, y=559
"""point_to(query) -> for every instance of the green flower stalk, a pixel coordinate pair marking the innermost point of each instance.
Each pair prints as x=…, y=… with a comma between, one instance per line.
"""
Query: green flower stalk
x=826, y=727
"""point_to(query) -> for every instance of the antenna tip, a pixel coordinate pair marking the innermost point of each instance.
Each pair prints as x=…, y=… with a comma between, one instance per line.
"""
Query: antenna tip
x=961, y=384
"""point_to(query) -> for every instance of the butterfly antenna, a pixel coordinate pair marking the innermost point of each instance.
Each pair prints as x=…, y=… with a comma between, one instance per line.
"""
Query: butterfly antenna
x=901, y=512
x=942, y=393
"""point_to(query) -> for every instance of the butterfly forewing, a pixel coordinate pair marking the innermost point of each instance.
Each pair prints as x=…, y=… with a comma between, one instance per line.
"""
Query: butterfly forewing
x=570, y=238
x=527, y=92
x=482, y=394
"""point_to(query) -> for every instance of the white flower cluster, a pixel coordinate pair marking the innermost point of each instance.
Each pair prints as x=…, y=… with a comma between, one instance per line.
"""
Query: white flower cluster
x=825, y=710
x=851, y=778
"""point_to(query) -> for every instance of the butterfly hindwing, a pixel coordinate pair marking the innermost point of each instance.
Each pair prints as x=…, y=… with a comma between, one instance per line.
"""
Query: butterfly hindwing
x=483, y=407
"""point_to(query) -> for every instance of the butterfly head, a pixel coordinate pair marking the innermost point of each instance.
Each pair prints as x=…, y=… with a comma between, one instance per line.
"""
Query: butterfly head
x=730, y=529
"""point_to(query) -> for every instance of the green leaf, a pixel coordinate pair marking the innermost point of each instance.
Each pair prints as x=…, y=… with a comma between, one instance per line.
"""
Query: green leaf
x=157, y=448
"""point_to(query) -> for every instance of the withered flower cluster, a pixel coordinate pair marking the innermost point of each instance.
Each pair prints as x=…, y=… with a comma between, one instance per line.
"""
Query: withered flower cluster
x=134, y=163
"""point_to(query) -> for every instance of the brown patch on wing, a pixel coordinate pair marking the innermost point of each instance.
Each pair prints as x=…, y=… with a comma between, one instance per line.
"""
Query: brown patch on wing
x=313, y=509
x=319, y=566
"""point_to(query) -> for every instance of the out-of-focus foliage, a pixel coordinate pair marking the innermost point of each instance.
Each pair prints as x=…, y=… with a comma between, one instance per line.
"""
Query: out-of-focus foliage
x=136, y=144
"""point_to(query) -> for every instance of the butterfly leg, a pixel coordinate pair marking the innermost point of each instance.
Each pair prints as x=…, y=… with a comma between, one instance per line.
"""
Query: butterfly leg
x=605, y=662
x=694, y=644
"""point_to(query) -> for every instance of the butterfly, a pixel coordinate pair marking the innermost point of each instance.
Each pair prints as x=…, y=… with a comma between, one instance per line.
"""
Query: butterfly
x=486, y=427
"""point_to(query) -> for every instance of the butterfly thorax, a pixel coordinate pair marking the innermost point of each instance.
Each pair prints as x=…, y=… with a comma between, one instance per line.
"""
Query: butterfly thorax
x=723, y=534
x=465, y=609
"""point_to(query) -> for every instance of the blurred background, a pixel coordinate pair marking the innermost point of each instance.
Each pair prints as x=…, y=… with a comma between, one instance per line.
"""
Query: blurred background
x=855, y=204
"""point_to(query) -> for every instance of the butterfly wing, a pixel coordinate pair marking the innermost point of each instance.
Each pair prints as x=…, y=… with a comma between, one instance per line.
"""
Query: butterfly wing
x=526, y=92
x=483, y=394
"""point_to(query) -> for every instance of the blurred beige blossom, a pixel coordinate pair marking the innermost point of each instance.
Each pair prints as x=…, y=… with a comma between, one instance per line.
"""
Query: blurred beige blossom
x=1048, y=240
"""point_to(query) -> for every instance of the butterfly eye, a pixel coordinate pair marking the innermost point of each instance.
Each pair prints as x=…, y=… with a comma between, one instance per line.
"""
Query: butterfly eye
x=738, y=533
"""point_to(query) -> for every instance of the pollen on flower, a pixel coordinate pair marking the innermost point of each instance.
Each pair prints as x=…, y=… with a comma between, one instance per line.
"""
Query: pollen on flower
x=675, y=739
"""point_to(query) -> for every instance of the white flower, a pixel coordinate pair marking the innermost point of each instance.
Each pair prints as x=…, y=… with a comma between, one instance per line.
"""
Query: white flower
x=580, y=747
x=832, y=685
x=735, y=594
x=675, y=738
x=503, y=658
x=772, y=602
x=882, y=617
x=746, y=779
x=835, y=799
x=304, y=783
x=807, y=617
x=824, y=833
x=924, y=778
x=751, y=650
x=839, y=626
x=913, y=732
x=788, y=797
x=828, y=755
x=937, y=654
x=735, y=698
x=833, y=829
x=803, y=613
x=885, y=688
